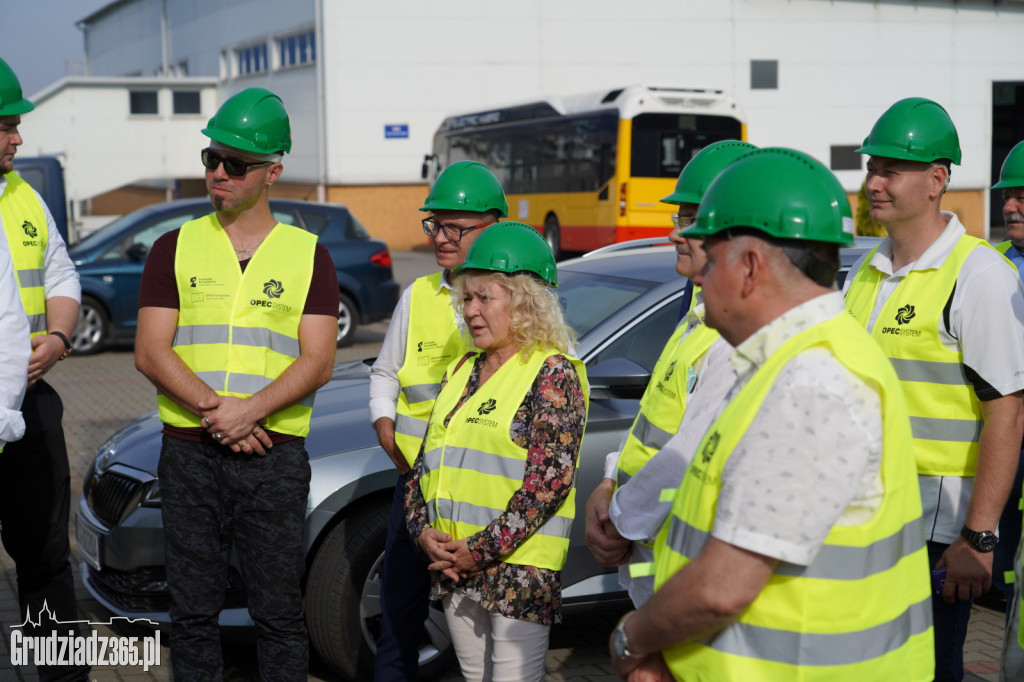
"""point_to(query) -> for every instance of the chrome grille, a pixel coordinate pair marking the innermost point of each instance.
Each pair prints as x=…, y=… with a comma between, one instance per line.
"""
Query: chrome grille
x=112, y=496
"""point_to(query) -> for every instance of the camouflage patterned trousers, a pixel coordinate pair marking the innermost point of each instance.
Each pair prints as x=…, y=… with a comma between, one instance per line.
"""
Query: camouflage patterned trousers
x=213, y=500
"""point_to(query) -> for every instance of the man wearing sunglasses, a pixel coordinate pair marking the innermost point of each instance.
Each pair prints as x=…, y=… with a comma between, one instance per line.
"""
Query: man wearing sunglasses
x=237, y=330
x=422, y=339
x=35, y=478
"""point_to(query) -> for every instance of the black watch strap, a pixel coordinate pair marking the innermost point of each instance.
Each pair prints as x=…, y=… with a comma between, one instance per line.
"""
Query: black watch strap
x=982, y=540
x=67, y=342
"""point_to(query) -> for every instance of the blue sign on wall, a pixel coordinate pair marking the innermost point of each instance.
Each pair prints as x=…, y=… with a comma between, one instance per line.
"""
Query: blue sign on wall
x=396, y=131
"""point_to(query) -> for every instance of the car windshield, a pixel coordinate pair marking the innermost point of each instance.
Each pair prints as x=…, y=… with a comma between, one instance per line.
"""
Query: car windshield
x=589, y=299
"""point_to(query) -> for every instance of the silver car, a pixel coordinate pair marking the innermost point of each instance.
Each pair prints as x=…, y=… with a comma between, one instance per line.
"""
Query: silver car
x=623, y=304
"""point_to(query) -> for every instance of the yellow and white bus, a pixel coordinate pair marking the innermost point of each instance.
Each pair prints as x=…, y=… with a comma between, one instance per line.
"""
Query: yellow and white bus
x=588, y=171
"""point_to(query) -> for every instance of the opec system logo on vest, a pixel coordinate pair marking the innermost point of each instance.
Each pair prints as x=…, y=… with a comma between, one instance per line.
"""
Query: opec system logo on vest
x=272, y=288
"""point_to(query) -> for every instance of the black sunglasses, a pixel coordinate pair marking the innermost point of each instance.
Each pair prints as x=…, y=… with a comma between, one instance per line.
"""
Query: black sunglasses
x=236, y=168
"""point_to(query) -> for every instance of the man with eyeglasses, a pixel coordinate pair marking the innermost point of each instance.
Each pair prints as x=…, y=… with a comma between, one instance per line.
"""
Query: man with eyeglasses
x=422, y=339
x=237, y=330
x=692, y=376
x=35, y=478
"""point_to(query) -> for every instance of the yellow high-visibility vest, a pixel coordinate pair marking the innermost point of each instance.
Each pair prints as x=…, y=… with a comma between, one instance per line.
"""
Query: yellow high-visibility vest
x=664, y=402
x=238, y=332
x=433, y=341
x=472, y=468
x=945, y=413
x=24, y=222
x=862, y=609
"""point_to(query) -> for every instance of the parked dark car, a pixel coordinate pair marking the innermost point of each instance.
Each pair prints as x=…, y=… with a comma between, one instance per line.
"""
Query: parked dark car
x=110, y=263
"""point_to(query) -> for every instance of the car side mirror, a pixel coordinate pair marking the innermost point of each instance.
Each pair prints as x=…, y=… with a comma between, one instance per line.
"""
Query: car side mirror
x=620, y=377
x=137, y=251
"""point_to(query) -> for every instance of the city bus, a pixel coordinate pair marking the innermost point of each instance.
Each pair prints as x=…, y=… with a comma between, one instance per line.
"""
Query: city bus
x=587, y=171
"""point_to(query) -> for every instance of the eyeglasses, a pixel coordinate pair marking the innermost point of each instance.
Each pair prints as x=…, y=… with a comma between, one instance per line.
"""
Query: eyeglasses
x=452, y=233
x=236, y=168
x=683, y=221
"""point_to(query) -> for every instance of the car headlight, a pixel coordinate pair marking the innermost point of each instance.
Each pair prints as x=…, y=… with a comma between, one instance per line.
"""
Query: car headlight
x=105, y=456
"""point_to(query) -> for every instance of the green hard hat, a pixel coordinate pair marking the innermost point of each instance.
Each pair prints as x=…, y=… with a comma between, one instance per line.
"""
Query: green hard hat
x=781, y=192
x=703, y=168
x=253, y=120
x=12, y=102
x=914, y=129
x=1012, y=173
x=512, y=247
x=466, y=186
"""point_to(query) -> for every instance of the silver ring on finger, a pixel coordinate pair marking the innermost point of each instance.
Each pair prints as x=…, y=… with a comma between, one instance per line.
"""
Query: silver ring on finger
x=218, y=437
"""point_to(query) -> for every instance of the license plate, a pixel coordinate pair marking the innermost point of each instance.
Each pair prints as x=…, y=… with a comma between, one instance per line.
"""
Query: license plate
x=88, y=542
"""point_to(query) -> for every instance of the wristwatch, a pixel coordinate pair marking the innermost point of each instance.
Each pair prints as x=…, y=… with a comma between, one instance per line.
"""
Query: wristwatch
x=65, y=340
x=982, y=540
x=621, y=643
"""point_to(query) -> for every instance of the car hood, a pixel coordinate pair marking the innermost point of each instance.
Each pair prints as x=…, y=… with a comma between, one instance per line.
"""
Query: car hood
x=340, y=422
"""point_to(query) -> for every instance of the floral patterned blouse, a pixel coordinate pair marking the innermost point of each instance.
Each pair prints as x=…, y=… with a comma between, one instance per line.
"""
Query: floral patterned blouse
x=549, y=424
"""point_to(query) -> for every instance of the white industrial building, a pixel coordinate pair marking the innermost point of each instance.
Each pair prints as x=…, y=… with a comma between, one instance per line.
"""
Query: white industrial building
x=367, y=83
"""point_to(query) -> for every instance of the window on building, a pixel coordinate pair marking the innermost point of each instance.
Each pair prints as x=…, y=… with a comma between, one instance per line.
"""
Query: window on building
x=764, y=74
x=252, y=60
x=297, y=50
x=186, y=101
x=142, y=102
x=845, y=157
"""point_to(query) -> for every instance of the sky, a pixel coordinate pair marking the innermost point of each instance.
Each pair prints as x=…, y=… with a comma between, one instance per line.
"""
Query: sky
x=39, y=40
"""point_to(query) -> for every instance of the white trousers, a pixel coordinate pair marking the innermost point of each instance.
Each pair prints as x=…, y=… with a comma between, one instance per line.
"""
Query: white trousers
x=1012, y=665
x=493, y=647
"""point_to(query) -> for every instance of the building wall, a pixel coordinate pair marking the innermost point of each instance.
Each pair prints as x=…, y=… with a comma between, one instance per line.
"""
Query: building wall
x=202, y=37
x=840, y=64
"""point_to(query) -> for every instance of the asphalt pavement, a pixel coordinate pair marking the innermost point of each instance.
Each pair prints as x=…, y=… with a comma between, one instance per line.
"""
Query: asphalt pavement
x=102, y=393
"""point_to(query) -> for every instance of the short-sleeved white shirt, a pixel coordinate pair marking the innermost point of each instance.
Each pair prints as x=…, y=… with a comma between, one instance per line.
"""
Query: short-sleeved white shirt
x=986, y=324
x=60, y=278
x=812, y=455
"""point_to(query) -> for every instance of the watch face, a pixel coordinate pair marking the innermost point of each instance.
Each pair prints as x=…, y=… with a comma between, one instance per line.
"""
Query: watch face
x=620, y=644
x=987, y=542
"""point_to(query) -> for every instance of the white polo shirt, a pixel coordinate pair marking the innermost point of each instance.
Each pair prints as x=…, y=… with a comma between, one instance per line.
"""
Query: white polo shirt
x=986, y=324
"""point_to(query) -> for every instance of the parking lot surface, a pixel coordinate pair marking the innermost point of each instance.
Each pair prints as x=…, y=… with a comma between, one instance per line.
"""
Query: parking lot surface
x=104, y=392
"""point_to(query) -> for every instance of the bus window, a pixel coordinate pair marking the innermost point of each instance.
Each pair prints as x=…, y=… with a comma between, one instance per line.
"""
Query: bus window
x=664, y=143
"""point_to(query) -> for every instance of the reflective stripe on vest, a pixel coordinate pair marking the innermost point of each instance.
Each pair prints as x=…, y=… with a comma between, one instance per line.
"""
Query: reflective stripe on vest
x=27, y=232
x=472, y=468
x=432, y=342
x=862, y=609
x=945, y=413
x=238, y=332
x=664, y=402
